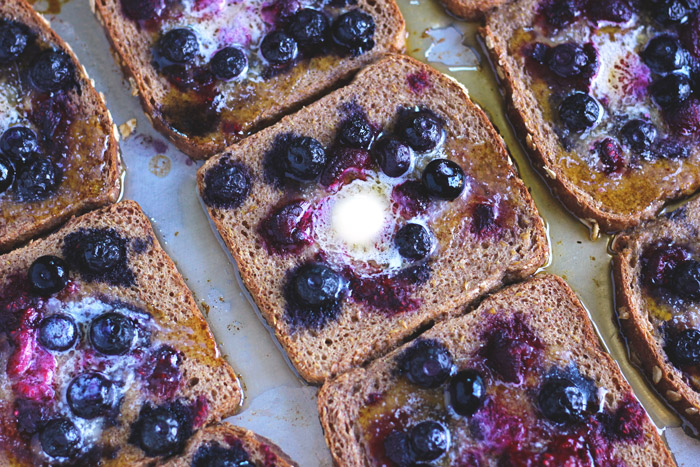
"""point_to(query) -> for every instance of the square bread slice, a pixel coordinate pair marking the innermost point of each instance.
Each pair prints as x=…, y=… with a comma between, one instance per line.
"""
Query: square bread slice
x=521, y=380
x=588, y=94
x=203, y=112
x=67, y=123
x=324, y=259
x=101, y=346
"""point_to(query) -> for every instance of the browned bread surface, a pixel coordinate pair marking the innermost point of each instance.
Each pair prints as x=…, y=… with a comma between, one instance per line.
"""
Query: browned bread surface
x=471, y=10
x=549, y=308
x=85, y=184
x=360, y=334
x=272, y=98
x=158, y=289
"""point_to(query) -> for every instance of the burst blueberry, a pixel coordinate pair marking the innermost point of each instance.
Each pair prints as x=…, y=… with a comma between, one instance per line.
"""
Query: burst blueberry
x=58, y=332
x=229, y=63
x=356, y=132
x=426, y=364
x=60, y=438
x=638, y=135
x=51, y=71
x=579, y=112
x=179, y=45
x=422, y=130
x=113, y=333
x=308, y=27
x=413, y=241
x=19, y=144
x=316, y=285
x=279, y=48
x=685, y=280
x=37, y=180
x=48, y=275
x=444, y=179
x=162, y=430
x=216, y=455
x=14, y=39
x=227, y=184
x=684, y=347
x=90, y=395
x=304, y=159
x=566, y=400
x=101, y=253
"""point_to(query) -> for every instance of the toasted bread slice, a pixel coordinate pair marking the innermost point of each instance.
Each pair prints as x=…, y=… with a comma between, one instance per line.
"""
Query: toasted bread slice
x=74, y=130
x=489, y=234
x=594, y=164
x=502, y=367
x=155, y=356
x=471, y=10
x=263, y=93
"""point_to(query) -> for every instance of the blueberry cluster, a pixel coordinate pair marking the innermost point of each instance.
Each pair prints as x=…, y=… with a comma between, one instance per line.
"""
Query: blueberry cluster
x=30, y=175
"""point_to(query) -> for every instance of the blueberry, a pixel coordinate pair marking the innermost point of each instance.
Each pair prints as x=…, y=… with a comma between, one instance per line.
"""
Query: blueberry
x=427, y=364
x=90, y=395
x=615, y=11
x=421, y=130
x=101, y=253
x=19, y=144
x=308, y=27
x=429, y=440
x=563, y=400
x=227, y=184
x=7, y=173
x=304, y=159
x=444, y=179
x=317, y=285
x=638, y=135
x=685, y=280
x=413, y=241
x=579, y=112
x=356, y=132
x=216, y=455
x=60, y=438
x=14, y=39
x=229, y=63
x=48, y=275
x=568, y=60
x=112, y=333
x=560, y=13
x=354, y=31
x=162, y=430
x=58, y=332
x=668, y=12
x=467, y=392
x=37, y=180
x=52, y=71
x=393, y=156
x=398, y=449
x=684, y=348
x=664, y=54
x=143, y=9
x=278, y=48
x=179, y=45
x=671, y=90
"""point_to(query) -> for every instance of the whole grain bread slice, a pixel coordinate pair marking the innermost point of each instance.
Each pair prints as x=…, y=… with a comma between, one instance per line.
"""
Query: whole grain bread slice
x=92, y=172
x=547, y=308
x=471, y=10
x=147, y=283
x=467, y=266
x=272, y=98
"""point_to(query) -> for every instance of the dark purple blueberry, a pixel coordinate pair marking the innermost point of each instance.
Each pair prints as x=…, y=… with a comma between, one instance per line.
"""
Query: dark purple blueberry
x=467, y=392
x=227, y=184
x=278, y=48
x=101, y=253
x=444, y=179
x=560, y=13
x=685, y=280
x=60, y=438
x=426, y=363
x=671, y=90
x=398, y=449
x=421, y=130
x=413, y=241
x=58, y=332
x=638, y=135
x=356, y=132
x=664, y=54
x=143, y=9
x=216, y=455
x=304, y=159
x=19, y=144
x=308, y=27
x=229, y=63
x=48, y=275
x=112, y=333
x=659, y=260
x=614, y=11
x=31, y=415
x=14, y=39
x=288, y=228
x=90, y=395
x=317, y=285
x=7, y=174
x=566, y=400
x=568, y=60
x=162, y=430
x=429, y=440
x=684, y=348
x=579, y=112
x=610, y=155
x=179, y=45
x=52, y=71
x=36, y=181
x=668, y=12
x=354, y=31
x=393, y=156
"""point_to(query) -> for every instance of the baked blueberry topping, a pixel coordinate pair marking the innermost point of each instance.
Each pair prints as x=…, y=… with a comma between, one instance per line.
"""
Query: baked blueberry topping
x=638, y=135
x=288, y=229
x=37, y=180
x=568, y=60
x=308, y=27
x=90, y=395
x=52, y=71
x=14, y=39
x=567, y=399
x=143, y=9
x=112, y=333
x=227, y=185
x=60, y=438
x=229, y=63
x=58, y=332
x=179, y=45
x=19, y=144
x=278, y=48
x=48, y=275
x=684, y=348
x=413, y=241
x=162, y=430
x=426, y=363
x=671, y=90
x=7, y=174
x=444, y=179
x=610, y=155
x=421, y=130
x=354, y=31
x=393, y=156
x=316, y=285
x=398, y=449
x=346, y=165
x=664, y=54
x=668, y=12
x=429, y=440
x=216, y=455
x=304, y=159
x=467, y=392
x=579, y=112
x=685, y=280
x=356, y=132
x=99, y=255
